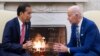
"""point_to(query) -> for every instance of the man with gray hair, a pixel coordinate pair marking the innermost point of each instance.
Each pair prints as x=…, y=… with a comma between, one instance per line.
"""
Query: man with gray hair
x=85, y=37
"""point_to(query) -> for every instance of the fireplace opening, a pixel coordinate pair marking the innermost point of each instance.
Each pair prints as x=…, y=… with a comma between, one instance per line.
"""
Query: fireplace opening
x=52, y=35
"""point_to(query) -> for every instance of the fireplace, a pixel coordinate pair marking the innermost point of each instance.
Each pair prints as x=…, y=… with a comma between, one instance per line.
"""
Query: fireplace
x=52, y=34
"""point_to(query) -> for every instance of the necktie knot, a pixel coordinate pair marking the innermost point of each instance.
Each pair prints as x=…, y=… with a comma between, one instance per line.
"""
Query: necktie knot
x=23, y=25
x=74, y=27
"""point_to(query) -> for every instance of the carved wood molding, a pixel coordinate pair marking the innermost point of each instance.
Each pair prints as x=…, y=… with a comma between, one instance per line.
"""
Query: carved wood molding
x=43, y=0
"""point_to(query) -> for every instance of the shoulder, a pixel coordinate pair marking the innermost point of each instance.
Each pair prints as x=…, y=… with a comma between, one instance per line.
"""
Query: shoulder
x=89, y=22
x=89, y=25
x=11, y=22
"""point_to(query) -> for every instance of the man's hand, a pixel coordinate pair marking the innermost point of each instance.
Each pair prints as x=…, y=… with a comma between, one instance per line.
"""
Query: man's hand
x=27, y=45
x=24, y=46
x=58, y=47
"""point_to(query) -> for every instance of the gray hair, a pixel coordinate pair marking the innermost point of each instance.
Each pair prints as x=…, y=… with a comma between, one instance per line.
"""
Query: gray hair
x=76, y=9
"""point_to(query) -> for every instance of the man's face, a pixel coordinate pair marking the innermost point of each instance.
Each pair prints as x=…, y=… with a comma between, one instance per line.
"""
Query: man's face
x=72, y=17
x=27, y=14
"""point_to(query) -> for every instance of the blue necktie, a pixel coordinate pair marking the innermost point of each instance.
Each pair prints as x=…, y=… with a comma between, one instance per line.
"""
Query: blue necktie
x=75, y=35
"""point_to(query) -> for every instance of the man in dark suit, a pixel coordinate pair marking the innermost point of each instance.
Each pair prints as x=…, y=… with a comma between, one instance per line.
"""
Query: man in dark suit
x=85, y=37
x=16, y=32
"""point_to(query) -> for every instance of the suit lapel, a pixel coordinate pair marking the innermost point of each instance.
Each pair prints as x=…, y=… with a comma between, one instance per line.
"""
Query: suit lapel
x=17, y=27
x=82, y=27
x=27, y=31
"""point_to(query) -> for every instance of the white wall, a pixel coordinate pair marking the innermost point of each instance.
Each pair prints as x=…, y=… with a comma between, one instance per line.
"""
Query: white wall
x=92, y=5
x=53, y=8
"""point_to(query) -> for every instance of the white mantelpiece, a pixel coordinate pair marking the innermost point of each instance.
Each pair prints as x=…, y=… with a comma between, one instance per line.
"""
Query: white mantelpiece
x=42, y=5
x=43, y=0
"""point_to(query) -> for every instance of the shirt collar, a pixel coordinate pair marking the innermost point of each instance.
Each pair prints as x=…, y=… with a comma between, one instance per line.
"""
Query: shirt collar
x=20, y=22
x=79, y=24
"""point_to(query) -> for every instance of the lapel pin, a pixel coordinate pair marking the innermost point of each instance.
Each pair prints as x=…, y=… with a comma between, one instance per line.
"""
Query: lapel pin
x=81, y=34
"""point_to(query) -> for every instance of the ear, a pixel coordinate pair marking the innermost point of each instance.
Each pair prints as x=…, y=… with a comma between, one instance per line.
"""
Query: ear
x=21, y=13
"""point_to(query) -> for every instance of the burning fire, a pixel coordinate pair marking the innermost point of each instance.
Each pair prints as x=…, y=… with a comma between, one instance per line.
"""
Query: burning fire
x=39, y=44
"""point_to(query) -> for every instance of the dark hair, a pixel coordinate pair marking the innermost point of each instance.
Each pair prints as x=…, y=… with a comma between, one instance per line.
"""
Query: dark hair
x=22, y=8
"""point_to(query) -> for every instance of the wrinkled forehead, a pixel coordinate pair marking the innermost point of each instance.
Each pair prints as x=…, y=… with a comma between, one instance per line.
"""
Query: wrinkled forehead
x=72, y=12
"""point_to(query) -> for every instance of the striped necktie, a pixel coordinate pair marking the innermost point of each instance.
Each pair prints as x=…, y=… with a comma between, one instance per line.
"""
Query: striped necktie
x=78, y=37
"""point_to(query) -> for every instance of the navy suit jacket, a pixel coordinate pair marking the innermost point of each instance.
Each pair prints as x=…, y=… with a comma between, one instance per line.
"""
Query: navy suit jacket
x=90, y=39
x=11, y=36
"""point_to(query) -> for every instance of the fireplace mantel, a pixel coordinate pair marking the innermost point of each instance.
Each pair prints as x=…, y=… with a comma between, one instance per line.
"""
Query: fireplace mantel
x=43, y=0
x=42, y=5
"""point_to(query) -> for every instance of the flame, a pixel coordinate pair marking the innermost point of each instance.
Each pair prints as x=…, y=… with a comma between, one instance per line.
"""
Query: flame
x=39, y=44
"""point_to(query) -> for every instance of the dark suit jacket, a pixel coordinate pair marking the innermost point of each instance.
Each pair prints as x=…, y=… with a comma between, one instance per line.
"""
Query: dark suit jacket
x=90, y=39
x=11, y=36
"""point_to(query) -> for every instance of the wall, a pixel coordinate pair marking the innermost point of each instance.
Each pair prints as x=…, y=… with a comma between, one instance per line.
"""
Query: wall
x=46, y=9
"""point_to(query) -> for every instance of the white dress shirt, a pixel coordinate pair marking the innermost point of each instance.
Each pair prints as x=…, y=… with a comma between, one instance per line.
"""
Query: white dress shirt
x=79, y=27
x=20, y=24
